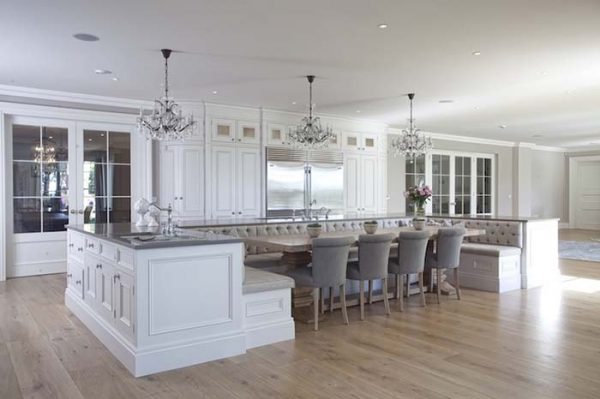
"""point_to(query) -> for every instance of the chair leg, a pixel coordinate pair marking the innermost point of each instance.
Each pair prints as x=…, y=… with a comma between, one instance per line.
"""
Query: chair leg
x=407, y=293
x=431, y=280
x=438, y=285
x=361, y=299
x=343, y=303
x=316, y=306
x=457, y=283
x=322, y=297
x=330, y=299
x=401, y=292
x=370, y=292
x=386, y=301
x=398, y=286
x=422, y=291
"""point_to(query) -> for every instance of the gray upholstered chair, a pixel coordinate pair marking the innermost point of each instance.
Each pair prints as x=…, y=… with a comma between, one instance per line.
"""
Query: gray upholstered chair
x=446, y=256
x=372, y=264
x=412, y=246
x=329, y=263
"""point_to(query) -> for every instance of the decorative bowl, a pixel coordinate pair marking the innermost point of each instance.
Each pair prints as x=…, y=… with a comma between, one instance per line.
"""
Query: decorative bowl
x=370, y=227
x=313, y=230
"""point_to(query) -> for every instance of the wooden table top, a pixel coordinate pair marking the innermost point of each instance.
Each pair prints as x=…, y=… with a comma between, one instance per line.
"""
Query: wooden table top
x=303, y=243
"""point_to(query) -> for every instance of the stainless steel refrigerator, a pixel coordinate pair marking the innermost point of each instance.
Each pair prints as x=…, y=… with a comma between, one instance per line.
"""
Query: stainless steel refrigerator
x=299, y=180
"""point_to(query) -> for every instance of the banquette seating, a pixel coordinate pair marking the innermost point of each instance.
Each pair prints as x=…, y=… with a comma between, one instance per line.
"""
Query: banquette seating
x=490, y=262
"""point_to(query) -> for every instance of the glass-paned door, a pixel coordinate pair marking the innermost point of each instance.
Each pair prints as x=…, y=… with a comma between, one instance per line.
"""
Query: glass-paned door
x=484, y=186
x=415, y=175
x=440, y=178
x=462, y=185
x=40, y=163
x=106, y=176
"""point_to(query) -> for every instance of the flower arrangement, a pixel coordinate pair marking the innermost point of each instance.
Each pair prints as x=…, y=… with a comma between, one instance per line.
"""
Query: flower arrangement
x=419, y=195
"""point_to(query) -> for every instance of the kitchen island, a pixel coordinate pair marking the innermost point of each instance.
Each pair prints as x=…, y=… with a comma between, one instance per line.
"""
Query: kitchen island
x=161, y=302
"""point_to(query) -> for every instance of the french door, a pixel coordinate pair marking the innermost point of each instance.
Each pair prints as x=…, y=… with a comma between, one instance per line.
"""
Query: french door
x=58, y=169
x=462, y=183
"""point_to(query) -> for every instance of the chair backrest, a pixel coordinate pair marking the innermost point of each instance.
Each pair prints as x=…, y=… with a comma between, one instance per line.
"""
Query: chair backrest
x=449, y=241
x=373, y=255
x=412, y=246
x=330, y=260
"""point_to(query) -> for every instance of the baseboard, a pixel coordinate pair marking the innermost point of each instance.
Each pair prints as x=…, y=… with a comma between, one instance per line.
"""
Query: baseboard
x=36, y=269
x=529, y=281
x=565, y=225
x=141, y=362
x=270, y=333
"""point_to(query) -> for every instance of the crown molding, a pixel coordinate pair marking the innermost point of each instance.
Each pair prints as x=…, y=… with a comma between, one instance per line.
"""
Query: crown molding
x=549, y=148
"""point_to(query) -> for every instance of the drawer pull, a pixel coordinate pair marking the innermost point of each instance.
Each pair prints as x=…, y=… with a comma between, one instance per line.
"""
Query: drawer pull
x=99, y=266
x=79, y=249
x=69, y=275
x=116, y=277
x=71, y=245
x=91, y=245
x=78, y=282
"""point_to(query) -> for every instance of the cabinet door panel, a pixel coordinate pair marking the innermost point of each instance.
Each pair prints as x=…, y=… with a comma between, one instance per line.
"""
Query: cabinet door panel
x=370, y=142
x=125, y=304
x=75, y=277
x=191, y=192
x=223, y=181
x=368, y=183
x=351, y=183
x=104, y=287
x=351, y=141
x=89, y=281
x=276, y=134
x=248, y=132
x=223, y=130
x=167, y=181
x=248, y=181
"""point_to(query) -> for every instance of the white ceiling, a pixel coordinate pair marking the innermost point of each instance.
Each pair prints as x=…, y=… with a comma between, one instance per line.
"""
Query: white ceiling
x=538, y=72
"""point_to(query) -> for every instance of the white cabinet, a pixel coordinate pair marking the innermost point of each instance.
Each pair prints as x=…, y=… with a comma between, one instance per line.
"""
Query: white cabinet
x=104, y=304
x=364, y=142
x=276, y=134
x=361, y=183
x=236, y=181
x=124, y=312
x=182, y=179
x=231, y=131
x=75, y=277
x=383, y=185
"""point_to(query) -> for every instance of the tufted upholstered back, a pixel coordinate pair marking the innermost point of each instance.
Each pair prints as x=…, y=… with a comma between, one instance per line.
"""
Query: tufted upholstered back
x=497, y=232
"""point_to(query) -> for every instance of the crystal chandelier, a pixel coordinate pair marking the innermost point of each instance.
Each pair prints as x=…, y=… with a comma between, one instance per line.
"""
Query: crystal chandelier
x=412, y=143
x=310, y=134
x=44, y=154
x=166, y=121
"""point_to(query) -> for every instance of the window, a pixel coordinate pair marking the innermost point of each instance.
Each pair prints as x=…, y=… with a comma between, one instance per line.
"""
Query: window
x=40, y=178
x=106, y=177
x=484, y=185
x=440, y=178
x=415, y=175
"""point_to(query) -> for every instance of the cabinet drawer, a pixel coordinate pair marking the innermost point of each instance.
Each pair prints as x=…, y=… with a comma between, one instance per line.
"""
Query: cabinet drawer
x=92, y=245
x=108, y=251
x=125, y=258
x=76, y=245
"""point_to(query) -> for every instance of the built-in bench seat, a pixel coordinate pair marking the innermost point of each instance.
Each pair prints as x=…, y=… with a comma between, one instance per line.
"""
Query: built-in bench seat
x=489, y=249
x=270, y=261
x=267, y=307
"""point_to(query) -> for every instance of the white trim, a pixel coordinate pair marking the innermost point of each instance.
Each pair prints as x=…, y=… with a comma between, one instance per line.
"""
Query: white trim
x=573, y=170
x=549, y=149
x=50, y=112
x=3, y=198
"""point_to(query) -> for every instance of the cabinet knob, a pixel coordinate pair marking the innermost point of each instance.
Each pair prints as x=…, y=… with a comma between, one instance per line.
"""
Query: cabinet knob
x=233, y=213
x=71, y=245
x=80, y=211
x=78, y=282
x=240, y=140
x=239, y=213
x=99, y=266
x=79, y=249
x=175, y=198
x=91, y=245
x=232, y=139
x=69, y=275
x=73, y=211
x=180, y=198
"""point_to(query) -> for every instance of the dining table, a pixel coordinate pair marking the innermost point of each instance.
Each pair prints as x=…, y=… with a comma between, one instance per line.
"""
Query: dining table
x=296, y=252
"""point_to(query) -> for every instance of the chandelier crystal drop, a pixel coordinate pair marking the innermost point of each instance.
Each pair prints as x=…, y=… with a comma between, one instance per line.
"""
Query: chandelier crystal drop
x=309, y=134
x=412, y=143
x=166, y=122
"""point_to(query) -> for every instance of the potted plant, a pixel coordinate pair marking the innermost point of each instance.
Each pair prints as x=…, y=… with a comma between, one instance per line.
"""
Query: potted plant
x=418, y=196
x=313, y=230
x=370, y=226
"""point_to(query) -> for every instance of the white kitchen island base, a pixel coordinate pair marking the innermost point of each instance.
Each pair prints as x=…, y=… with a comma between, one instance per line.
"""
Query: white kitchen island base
x=159, y=309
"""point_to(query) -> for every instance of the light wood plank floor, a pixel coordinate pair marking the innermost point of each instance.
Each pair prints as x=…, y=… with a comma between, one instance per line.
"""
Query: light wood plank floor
x=541, y=343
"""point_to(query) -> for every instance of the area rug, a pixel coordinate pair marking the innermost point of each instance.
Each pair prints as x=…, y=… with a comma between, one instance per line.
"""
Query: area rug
x=579, y=250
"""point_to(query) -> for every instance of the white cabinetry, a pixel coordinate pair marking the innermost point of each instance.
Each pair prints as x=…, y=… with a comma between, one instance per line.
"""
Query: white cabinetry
x=231, y=131
x=182, y=179
x=361, y=182
x=236, y=181
x=364, y=142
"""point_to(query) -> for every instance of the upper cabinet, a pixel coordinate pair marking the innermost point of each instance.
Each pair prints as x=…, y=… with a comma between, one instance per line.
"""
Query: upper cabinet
x=276, y=134
x=364, y=142
x=231, y=131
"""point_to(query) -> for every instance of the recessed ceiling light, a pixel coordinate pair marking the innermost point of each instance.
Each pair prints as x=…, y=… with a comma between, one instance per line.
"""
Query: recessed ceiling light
x=476, y=53
x=115, y=79
x=382, y=26
x=358, y=111
x=215, y=92
x=101, y=134
x=294, y=103
x=446, y=101
x=502, y=126
x=537, y=135
x=50, y=137
x=477, y=107
x=86, y=37
x=90, y=140
x=102, y=72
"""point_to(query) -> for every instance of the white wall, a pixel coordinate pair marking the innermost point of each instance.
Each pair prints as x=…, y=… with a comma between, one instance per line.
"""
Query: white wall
x=549, y=188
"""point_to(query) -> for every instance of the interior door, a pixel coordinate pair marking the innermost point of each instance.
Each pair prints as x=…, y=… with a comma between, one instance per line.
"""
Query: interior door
x=587, y=198
x=42, y=194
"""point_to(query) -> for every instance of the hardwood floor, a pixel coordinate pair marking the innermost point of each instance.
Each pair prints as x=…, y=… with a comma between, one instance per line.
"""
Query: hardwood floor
x=541, y=343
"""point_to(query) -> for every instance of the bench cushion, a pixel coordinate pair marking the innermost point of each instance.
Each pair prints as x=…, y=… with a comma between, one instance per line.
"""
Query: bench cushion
x=261, y=281
x=266, y=261
x=490, y=250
